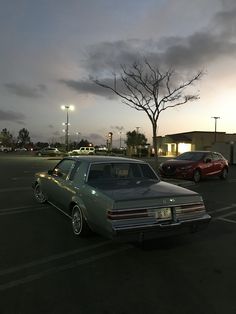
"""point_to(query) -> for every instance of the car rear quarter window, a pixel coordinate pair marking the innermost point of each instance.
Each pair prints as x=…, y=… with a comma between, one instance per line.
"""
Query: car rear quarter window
x=147, y=172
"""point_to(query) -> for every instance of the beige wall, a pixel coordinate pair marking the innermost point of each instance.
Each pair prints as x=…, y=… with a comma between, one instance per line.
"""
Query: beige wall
x=199, y=141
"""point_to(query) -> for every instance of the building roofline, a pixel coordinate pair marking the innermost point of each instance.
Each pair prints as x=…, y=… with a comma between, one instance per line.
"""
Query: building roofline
x=190, y=132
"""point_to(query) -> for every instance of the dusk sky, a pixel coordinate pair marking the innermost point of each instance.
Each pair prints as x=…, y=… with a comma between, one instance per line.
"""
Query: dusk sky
x=50, y=49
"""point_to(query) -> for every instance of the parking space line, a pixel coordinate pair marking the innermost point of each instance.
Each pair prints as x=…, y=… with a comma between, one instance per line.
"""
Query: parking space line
x=52, y=258
x=222, y=209
x=16, y=189
x=57, y=269
x=19, y=210
x=223, y=217
x=226, y=220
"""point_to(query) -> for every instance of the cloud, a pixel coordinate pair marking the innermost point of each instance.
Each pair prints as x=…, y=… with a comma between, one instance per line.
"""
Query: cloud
x=117, y=128
x=197, y=51
x=88, y=87
x=12, y=116
x=106, y=57
x=186, y=54
x=95, y=138
x=57, y=133
x=26, y=91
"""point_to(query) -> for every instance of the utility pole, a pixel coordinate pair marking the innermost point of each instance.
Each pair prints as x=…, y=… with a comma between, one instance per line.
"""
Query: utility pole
x=67, y=108
x=216, y=118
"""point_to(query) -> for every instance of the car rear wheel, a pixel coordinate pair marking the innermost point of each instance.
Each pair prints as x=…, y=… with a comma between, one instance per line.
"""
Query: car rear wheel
x=79, y=224
x=196, y=176
x=224, y=174
x=39, y=195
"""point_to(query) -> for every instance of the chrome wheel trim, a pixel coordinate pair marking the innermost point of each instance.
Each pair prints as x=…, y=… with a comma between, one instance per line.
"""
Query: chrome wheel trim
x=77, y=220
x=39, y=194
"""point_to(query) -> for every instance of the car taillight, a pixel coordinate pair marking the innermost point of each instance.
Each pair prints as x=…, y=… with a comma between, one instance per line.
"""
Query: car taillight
x=190, y=208
x=127, y=214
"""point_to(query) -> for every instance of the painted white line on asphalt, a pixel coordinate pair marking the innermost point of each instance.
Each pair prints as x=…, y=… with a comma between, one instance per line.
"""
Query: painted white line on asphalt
x=227, y=215
x=222, y=209
x=11, y=211
x=232, y=180
x=226, y=220
x=223, y=218
x=52, y=258
x=16, y=208
x=16, y=189
x=57, y=269
x=17, y=178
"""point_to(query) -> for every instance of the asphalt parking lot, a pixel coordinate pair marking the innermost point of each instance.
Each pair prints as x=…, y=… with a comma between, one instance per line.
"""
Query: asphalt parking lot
x=44, y=269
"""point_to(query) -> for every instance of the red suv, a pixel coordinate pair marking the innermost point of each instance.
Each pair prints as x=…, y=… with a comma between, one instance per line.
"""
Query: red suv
x=195, y=165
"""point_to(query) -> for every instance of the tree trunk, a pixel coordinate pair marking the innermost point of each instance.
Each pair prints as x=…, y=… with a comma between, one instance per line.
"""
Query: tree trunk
x=154, y=140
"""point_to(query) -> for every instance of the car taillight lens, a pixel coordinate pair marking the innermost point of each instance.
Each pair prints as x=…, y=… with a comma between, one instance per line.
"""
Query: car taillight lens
x=127, y=214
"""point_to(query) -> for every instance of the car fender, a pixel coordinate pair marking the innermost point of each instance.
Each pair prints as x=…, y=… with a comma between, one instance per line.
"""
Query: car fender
x=78, y=200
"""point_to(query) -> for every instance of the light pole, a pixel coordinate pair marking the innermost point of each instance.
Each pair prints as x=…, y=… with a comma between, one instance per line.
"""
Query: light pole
x=120, y=138
x=216, y=118
x=78, y=135
x=67, y=108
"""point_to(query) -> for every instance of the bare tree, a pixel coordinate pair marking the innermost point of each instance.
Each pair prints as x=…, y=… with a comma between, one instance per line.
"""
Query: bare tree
x=145, y=88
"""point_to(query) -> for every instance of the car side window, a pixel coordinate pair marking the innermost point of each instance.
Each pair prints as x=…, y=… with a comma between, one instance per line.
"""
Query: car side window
x=74, y=171
x=64, y=168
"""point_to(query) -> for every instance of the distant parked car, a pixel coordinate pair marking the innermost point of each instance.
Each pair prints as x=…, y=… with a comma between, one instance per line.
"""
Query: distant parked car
x=49, y=151
x=83, y=151
x=5, y=149
x=120, y=198
x=20, y=149
x=195, y=165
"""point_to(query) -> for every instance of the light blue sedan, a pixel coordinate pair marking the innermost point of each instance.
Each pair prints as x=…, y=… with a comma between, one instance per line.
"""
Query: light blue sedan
x=120, y=198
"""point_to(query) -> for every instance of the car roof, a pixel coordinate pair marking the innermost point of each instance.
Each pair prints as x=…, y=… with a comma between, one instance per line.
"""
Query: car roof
x=91, y=159
x=199, y=151
x=202, y=151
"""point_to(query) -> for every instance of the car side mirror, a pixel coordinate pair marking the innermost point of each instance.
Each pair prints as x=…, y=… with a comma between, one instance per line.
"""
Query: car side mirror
x=55, y=172
x=208, y=160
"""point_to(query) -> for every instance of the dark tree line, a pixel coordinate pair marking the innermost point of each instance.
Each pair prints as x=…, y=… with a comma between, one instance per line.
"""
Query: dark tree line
x=22, y=140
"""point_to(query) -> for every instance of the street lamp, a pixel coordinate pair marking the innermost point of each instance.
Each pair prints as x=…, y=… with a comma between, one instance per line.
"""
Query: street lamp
x=216, y=118
x=67, y=108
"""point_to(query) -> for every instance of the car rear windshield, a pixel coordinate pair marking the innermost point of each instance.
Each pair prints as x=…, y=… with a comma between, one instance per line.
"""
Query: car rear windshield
x=117, y=171
x=193, y=156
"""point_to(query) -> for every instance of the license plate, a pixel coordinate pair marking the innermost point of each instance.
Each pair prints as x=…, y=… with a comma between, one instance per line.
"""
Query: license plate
x=163, y=213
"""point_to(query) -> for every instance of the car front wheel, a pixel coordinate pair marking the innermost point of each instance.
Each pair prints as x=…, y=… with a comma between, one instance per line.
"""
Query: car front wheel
x=224, y=174
x=38, y=194
x=196, y=176
x=79, y=224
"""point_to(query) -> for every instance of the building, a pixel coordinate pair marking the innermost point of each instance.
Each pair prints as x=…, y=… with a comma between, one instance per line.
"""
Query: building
x=175, y=144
